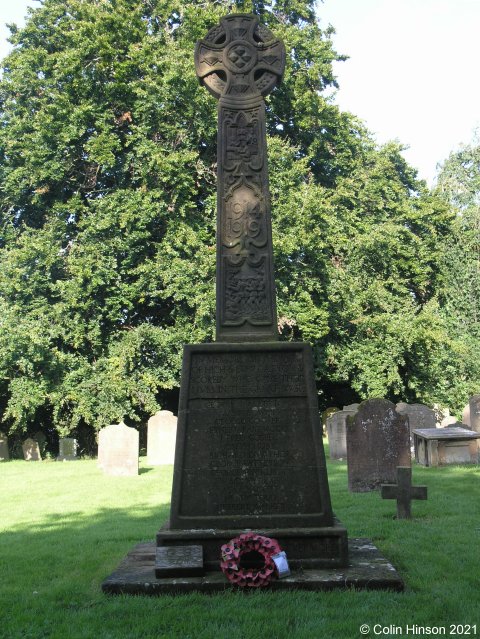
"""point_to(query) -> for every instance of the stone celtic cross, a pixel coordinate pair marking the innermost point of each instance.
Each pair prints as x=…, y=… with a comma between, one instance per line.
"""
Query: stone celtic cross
x=239, y=62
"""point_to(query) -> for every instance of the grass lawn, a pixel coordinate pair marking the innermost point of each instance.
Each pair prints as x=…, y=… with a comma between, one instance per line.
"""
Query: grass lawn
x=65, y=526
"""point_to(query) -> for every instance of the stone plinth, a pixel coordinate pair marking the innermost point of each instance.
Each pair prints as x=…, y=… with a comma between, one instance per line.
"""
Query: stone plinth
x=367, y=569
x=250, y=453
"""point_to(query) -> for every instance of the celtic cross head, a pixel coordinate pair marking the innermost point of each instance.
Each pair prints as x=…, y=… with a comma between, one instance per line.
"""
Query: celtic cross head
x=239, y=59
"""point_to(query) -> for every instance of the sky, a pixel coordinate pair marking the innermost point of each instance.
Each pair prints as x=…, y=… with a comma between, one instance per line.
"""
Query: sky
x=412, y=73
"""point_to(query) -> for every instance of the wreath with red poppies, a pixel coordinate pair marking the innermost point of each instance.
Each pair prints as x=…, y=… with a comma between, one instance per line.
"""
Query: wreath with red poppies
x=240, y=573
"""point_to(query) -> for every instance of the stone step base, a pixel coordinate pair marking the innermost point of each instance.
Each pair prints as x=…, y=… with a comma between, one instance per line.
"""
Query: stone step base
x=367, y=569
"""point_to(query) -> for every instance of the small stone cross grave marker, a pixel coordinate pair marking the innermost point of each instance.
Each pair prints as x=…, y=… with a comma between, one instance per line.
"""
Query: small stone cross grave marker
x=403, y=492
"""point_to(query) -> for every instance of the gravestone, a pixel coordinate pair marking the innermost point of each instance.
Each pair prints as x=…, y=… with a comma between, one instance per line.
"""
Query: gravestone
x=378, y=440
x=419, y=416
x=466, y=416
x=448, y=421
x=68, y=449
x=249, y=450
x=118, y=449
x=4, y=454
x=325, y=415
x=403, y=492
x=337, y=432
x=31, y=450
x=474, y=404
x=40, y=437
x=161, y=435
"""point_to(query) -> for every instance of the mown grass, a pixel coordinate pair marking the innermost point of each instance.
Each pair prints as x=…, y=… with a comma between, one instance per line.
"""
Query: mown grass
x=65, y=526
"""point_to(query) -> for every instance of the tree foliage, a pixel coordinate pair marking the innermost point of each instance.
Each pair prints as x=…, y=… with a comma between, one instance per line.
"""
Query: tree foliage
x=107, y=248
x=459, y=183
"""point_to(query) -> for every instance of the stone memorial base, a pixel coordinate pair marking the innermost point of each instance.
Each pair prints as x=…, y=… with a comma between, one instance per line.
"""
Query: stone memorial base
x=321, y=547
x=249, y=455
x=367, y=570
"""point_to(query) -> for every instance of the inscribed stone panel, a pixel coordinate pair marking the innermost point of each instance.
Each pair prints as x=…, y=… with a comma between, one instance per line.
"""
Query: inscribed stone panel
x=251, y=450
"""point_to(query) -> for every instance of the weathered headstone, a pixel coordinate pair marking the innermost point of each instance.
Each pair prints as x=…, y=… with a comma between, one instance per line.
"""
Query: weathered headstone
x=118, y=449
x=448, y=421
x=4, y=454
x=419, y=416
x=31, y=450
x=249, y=450
x=466, y=416
x=403, y=492
x=474, y=404
x=40, y=437
x=378, y=440
x=337, y=432
x=161, y=435
x=325, y=415
x=440, y=413
x=68, y=449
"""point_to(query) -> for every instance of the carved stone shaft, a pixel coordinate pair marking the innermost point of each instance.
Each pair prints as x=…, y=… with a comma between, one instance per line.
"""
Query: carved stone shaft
x=239, y=62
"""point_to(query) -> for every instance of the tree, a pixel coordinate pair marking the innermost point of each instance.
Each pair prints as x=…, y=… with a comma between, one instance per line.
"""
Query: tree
x=459, y=183
x=107, y=250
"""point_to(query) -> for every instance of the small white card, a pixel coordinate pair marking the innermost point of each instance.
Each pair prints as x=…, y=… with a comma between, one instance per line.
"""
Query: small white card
x=282, y=564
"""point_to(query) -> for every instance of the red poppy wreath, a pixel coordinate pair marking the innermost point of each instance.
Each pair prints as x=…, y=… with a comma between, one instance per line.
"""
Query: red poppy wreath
x=249, y=544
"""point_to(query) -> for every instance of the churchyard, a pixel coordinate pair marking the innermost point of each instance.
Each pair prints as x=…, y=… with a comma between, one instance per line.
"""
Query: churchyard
x=65, y=526
x=250, y=485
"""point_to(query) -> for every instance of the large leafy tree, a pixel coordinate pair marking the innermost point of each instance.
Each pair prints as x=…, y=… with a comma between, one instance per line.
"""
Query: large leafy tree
x=107, y=167
x=459, y=182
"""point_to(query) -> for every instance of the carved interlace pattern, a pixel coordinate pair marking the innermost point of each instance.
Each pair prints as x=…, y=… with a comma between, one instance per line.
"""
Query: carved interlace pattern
x=239, y=62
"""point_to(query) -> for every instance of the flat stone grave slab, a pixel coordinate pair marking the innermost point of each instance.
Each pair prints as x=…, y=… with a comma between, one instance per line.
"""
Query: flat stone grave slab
x=367, y=570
